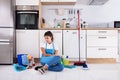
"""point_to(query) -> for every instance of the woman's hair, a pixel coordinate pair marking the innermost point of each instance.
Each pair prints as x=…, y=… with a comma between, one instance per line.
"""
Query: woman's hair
x=49, y=33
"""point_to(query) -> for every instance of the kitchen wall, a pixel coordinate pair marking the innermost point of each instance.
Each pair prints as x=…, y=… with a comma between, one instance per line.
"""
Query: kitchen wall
x=27, y=2
x=91, y=14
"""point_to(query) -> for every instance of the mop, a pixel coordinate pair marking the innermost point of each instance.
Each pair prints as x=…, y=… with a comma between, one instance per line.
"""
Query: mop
x=80, y=63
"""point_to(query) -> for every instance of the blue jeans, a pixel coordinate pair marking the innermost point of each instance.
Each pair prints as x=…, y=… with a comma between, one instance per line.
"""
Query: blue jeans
x=53, y=64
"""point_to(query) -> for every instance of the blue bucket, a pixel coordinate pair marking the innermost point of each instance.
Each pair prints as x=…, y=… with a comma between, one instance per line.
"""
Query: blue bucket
x=20, y=59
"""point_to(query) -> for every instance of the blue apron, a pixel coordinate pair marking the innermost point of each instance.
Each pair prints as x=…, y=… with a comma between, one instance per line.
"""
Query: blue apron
x=48, y=51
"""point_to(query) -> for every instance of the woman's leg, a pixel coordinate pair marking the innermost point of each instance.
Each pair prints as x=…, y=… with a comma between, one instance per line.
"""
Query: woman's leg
x=58, y=67
x=44, y=60
x=54, y=60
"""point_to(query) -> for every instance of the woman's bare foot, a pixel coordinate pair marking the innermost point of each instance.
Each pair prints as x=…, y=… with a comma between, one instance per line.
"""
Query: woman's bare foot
x=45, y=67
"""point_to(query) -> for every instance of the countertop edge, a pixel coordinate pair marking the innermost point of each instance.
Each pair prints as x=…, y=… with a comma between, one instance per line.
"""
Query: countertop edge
x=73, y=29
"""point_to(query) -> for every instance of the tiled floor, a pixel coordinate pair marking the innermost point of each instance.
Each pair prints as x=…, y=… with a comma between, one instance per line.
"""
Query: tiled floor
x=96, y=72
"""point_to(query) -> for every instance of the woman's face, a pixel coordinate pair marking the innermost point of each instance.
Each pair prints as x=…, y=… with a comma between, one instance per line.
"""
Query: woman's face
x=48, y=39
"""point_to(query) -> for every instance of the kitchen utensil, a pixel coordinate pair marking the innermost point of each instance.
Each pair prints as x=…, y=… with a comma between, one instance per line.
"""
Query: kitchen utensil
x=69, y=15
x=74, y=13
x=67, y=25
x=64, y=23
x=43, y=23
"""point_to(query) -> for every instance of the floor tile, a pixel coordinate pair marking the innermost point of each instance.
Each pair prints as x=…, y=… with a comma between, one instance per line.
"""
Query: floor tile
x=95, y=72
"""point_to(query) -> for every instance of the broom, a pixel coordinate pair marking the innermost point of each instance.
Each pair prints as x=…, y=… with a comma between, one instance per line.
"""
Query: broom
x=79, y=63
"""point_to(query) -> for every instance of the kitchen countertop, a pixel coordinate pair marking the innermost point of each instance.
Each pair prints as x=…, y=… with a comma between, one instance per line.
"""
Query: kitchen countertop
x=58, y=29
x=81, y=28
x=100, y=28
x=75, y=29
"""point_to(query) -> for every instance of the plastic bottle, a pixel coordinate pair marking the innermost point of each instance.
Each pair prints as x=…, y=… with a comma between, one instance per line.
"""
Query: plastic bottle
x=66, y=60
x=64, y=23
x=58, y=25
x=85, y=25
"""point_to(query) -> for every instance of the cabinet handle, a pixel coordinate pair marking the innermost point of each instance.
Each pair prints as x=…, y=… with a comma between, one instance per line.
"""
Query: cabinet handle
x=21, y=31
x=4, y=43
x=102, y=31
x=102, y=49
x=4, y=40
x=74, y=32
x=102, y=37
x=56, y=31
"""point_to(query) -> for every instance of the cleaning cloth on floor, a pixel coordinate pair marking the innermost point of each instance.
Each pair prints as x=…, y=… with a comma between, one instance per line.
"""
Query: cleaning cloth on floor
x=69, y=66
x=19, y=68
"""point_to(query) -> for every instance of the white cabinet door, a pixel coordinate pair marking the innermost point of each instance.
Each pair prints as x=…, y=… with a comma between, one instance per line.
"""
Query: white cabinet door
x=57, y=38
x=102, y=52
x=83, y=52
x=27, y=41
x=27, y=2
x=102, y=41
x=70, y=43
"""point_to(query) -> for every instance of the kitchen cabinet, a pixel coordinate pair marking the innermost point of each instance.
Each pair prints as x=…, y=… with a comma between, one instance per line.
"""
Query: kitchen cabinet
x=101, y=40
x=102, y=52
x=58, y=2
x=83, y=45
x=102, y=43
x=27, y=2
x=27, y=41
x=118, y=46
x=71, y=44
x=57, y=38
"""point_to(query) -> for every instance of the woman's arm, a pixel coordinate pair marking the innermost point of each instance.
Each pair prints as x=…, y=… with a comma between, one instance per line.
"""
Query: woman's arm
x=56, y=52
x=44, y=53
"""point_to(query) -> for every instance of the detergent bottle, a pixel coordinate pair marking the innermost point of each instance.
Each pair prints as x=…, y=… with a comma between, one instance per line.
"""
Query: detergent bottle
x=66, y=60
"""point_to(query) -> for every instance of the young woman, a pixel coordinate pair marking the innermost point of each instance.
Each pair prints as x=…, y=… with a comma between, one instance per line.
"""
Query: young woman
x=50, y=58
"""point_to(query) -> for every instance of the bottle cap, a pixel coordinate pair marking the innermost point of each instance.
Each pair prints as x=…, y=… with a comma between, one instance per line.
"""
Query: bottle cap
x=66, y=56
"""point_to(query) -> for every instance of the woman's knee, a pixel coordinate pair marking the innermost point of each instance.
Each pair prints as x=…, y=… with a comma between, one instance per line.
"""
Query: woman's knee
x=61, y=68
x=58, y=58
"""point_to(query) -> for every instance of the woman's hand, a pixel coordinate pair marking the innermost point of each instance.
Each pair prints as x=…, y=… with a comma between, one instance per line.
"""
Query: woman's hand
x=44, y=53
x=56, y=53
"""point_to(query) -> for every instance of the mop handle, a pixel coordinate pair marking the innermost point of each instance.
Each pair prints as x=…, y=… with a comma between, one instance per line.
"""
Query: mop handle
x=78, y=22
x=78, y=12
